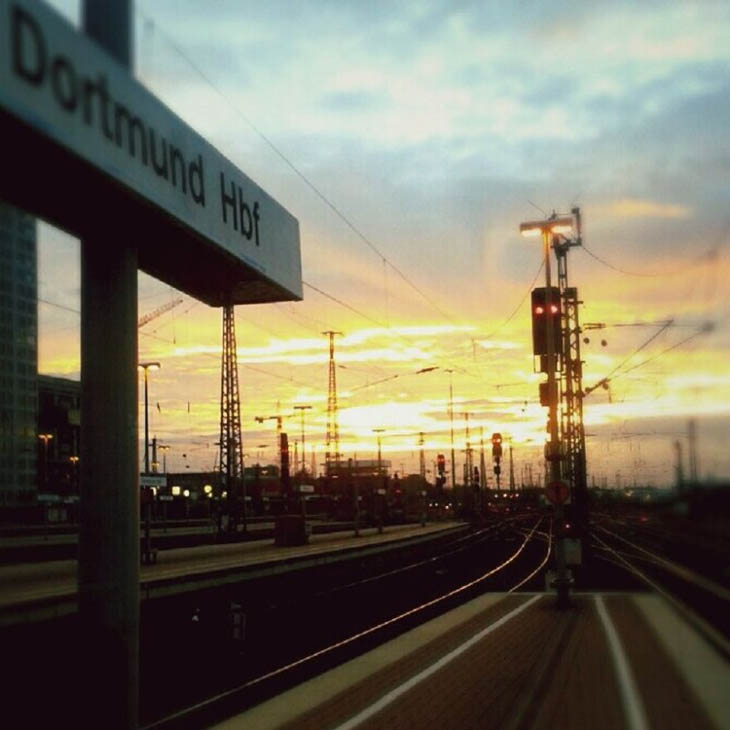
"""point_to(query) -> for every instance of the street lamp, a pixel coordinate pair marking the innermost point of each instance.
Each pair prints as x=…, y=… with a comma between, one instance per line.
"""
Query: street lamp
x=379, y=431
x=75, y=472
x=45, y=438
x=547, y=229
x=379, y=490
x=302, y=409
x=146, y=366
x=164, y=448
x=451, y=420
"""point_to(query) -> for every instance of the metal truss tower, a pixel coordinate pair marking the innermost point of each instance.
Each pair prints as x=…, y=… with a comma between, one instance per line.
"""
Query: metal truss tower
x=232, y=478
x=333, y=432
x=469, y=466
x=571, y=381
x=482, y=463
x=422, y=458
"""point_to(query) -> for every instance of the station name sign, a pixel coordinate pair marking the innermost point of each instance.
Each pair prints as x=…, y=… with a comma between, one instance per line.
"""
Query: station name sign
x=59, y=85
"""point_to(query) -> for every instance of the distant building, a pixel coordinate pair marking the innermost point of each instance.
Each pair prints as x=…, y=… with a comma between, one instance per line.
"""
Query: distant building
x=59, y=416
x=18, y=357
x=365, y=467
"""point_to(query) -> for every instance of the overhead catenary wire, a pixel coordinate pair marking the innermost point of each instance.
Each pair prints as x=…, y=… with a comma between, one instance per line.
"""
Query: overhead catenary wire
x=705, y=329
x=519, y=306
x=345, y=219
x=707, y=255
x=275, y=149
x=647, y=342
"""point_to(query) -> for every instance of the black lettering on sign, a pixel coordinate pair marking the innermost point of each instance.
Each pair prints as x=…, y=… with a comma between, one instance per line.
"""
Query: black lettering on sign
x=134, y=127
x=227, y=200
x=34, y=63
x=196, y=180
x=245, y=218
x=99, y=89
x=29, y=61
x=64, y=83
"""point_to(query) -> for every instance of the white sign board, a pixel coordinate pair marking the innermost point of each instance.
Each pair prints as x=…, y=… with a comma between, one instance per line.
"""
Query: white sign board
x=95, y=152
x=152, y=480
x=306, y=488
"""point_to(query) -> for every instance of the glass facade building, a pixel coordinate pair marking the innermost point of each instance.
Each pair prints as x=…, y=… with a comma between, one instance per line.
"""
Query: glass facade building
x=18, y=357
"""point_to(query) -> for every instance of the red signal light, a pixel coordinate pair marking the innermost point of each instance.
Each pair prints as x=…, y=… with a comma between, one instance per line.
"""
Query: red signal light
x=545, y=314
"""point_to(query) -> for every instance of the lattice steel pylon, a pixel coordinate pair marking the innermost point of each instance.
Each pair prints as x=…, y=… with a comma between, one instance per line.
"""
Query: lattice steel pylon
x=333, y=431
x=231, y=473
x=468, y=459
x=421, y=458
x=571, y=382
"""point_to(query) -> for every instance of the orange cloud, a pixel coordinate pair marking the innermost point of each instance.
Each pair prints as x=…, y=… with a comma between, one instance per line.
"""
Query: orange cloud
x=640, y=208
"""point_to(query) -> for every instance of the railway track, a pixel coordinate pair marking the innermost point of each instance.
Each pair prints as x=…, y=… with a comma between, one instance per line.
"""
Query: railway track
x=700, y=600
x=354, y=616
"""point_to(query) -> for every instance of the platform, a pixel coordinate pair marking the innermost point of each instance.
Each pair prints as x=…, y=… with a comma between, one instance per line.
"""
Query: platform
x=36, y=591
x=515, y=661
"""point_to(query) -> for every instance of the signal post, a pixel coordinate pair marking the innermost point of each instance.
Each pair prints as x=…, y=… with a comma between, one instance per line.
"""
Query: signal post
x=545, y=320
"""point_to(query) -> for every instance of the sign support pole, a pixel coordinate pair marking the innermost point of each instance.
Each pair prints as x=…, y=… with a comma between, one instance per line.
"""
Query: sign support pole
x=562, y=582
x=109, y=529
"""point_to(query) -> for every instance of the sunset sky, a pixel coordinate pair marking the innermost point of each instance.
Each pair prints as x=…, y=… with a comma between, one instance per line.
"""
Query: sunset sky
x=410, y=139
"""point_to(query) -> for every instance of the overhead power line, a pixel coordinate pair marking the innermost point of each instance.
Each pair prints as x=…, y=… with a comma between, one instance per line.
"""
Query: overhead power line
x=705, y=329
x=269, y=142
x=709, y=254
x=344, y=304
x=661, y=329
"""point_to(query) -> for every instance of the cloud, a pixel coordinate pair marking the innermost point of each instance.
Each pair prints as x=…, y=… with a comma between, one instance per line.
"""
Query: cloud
x=637, y=208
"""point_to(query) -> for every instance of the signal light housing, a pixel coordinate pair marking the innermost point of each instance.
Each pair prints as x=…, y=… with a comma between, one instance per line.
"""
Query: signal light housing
x=284, y=453
x=541, y=317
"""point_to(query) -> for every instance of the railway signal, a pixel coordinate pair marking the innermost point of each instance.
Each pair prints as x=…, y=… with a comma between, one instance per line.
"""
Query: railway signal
x=284, y=453
x=497, y=454
x=544, y=316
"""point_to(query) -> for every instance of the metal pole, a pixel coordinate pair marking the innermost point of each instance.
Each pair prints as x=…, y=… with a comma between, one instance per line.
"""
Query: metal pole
x=304, y=463
x=301, y=409
x=451, y=418
x=511, y=471
x=146, y=423
x=562, y=583
x=379, y=498
x=108, y=566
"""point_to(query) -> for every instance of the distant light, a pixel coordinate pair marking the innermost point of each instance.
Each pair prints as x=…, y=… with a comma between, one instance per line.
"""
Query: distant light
x=175, y=491
x=186, y=493
x=207, y=489
x=149, y=365
x=554, y=225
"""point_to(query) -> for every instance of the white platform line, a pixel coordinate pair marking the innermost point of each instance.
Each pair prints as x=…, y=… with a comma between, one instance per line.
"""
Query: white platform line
x=633, y=706
x=397, y=692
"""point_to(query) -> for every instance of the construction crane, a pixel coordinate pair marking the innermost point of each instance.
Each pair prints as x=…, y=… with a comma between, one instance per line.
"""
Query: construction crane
x=278, y=419
x=282, y=444
x=157, y=312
